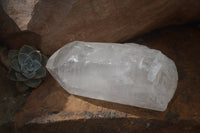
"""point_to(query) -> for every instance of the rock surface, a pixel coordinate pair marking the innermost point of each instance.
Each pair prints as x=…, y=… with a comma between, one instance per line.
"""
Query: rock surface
x=10, y=34
x=18, y=39
x=129, y=73
x=20, y=11
x=59, y=22
x=10, y=100
x=58, y=111
x=7, y=25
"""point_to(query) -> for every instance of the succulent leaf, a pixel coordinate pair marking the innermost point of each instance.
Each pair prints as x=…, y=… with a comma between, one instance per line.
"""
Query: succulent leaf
x=28, y=74
x=12, y=54
x=26, y=49
x=43, y=60
x=15, y=57
x=28, y=65
x=15, y=65
x=40, y=73
x=35, y=55
x=21, y=86
x=12, y=75
x=36, y=65
x=33, y=82
x=28, y=60
x=20, y=77
x=22, y=57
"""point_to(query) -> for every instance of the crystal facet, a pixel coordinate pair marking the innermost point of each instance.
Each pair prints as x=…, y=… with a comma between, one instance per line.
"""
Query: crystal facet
x=129, y=73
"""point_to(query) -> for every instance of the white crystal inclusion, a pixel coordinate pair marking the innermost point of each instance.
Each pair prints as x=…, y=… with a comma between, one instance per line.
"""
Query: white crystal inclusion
x=130, y=73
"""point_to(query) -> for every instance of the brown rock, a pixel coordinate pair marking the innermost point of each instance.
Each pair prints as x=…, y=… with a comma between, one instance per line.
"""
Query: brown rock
x=4, y=56
x=11, y=35
x=18, y=39
x=10, y=100
x=113, y=126
x=7, y=25
x=55, y=104
x=59, y=22
x=59, y=111
x=19, y=10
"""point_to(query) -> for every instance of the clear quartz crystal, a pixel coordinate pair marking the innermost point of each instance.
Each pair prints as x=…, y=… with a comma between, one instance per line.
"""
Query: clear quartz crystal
x=128, y=73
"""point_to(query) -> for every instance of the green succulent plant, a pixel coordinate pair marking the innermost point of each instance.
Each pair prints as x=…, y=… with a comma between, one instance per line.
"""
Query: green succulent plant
x=27, y=67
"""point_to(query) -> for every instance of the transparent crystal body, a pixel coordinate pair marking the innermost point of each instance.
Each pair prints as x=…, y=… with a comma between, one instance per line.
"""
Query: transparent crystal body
x=129, y=74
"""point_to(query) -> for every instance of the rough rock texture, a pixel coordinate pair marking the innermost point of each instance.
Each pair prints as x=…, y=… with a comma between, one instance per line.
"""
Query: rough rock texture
x=59, y=111
x=18, y=39
x=7, y=25
x=10, y=100
x=114, y=126
x=12, y=36
x=20, y=11
x=62, y=21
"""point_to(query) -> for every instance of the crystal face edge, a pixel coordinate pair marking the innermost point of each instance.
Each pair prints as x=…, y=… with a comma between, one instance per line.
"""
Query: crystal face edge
x=118, y=53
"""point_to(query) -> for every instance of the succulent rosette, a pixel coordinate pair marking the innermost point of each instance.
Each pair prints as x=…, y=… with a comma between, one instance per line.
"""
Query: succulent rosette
x=27, y=67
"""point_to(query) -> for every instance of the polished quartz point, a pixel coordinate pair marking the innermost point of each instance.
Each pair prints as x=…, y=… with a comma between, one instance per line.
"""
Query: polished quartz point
x=130, y=74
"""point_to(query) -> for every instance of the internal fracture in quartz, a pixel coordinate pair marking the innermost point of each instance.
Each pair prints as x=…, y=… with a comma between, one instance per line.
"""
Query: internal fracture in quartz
x=129, y=73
